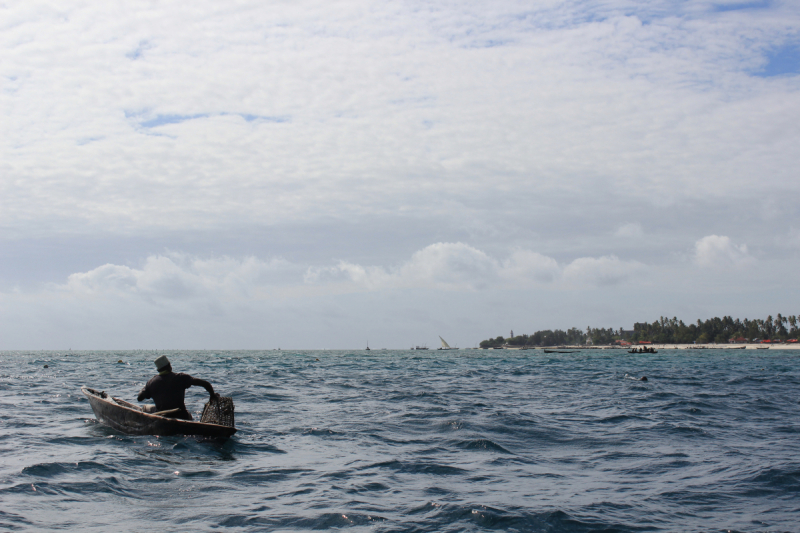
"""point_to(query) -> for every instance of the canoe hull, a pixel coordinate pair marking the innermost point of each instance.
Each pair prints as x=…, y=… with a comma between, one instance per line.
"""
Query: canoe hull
x=129, y=418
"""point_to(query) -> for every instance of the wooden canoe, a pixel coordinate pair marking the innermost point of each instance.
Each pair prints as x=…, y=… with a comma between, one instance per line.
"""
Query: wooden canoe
x=130, y=418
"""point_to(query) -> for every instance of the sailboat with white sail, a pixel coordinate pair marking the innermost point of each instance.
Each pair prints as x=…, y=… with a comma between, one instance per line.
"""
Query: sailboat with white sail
x=445, y=346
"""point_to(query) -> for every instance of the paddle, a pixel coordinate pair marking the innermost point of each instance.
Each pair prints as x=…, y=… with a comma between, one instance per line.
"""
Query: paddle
x=168, y=412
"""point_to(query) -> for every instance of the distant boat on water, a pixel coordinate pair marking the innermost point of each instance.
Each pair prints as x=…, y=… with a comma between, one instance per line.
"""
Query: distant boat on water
x=646, y=349
x=420, y=347
x=445, y=346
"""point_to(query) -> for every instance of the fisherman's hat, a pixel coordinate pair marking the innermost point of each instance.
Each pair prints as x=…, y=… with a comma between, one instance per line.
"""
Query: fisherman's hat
x=162, y=362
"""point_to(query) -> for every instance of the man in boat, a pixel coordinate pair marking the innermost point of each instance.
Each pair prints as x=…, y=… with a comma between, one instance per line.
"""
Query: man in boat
x=167, y=389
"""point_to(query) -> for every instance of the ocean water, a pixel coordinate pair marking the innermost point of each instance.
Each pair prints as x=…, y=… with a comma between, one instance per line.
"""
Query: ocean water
x=413, y=441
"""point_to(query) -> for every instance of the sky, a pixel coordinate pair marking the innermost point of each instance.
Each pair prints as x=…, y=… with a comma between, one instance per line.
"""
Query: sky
x=323, y=175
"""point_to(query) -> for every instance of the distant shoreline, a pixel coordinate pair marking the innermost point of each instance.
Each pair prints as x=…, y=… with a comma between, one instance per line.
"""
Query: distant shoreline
x=751, y=346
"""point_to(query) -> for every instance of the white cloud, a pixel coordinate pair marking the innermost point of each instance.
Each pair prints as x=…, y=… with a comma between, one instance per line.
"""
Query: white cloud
x=460, y=267
x=601, y=271
x=183, y=281
x=179, y=278
x=450, y=266
x=445, y=266
x=525, y=268
x=208, y=295
x=631, y=230
x=719, y=251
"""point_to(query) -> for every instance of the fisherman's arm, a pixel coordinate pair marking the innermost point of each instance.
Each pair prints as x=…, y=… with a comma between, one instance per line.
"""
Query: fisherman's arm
x=205, y=384
x=143, y=394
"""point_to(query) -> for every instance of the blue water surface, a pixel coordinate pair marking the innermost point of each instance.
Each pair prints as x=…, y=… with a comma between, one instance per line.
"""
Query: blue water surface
x=413, y=441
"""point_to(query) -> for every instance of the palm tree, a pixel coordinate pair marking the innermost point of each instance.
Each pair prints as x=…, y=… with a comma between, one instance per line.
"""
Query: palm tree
x=779, y=325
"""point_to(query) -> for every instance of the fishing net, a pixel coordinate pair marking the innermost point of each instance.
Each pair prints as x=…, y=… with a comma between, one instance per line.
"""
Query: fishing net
x=218, y=410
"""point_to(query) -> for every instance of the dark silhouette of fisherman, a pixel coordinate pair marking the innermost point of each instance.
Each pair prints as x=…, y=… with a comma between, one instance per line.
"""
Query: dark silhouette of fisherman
x=167, y=390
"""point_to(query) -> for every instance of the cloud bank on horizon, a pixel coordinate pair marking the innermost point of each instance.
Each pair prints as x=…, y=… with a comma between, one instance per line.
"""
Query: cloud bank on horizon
x=341, y=169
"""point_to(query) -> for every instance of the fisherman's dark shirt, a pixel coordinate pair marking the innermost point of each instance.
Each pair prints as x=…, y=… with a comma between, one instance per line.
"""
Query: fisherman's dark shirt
x=168, y=391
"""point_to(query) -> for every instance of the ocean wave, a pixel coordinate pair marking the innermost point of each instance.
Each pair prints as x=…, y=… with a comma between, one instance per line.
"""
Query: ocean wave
x=256, y=476
x=483, y=445
x=13, y=522
x=433, y=516
x=781, y=480
x=409, y=467
x=49, y=470
x=391, y=443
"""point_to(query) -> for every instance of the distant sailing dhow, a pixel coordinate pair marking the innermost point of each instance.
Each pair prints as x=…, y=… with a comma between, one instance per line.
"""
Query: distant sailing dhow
x=445, y=346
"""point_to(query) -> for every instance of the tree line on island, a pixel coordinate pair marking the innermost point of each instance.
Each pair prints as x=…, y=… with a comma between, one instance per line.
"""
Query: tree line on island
x=665, y=331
